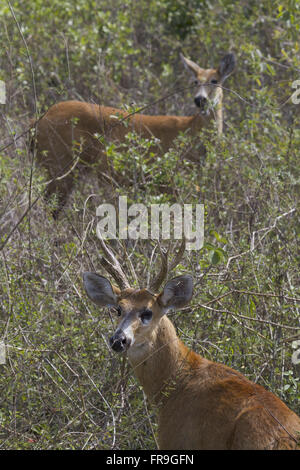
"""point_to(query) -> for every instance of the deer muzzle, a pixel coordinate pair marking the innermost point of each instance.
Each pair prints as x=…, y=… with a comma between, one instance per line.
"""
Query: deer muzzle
x=119, y=342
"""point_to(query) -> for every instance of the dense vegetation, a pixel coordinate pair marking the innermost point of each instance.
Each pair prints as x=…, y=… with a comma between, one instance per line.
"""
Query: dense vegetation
x=61, y=386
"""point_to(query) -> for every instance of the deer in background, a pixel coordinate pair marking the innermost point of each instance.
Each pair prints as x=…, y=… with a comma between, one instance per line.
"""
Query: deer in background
x=67, y=132
x=201, y=404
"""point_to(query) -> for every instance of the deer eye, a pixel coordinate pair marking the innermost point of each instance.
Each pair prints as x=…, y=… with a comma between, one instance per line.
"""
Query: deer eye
x=196, y=82
x=214, y=81
x=146, y=316
x=119, y=311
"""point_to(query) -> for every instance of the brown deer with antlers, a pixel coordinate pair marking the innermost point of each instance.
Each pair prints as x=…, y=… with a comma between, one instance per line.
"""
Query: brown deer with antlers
x=202, y=404
x=69, y=131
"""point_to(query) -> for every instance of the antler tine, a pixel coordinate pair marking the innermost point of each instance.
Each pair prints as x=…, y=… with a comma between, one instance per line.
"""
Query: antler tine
x=113, y=267
x=158, y=280
x=179, y=255
x=165, y=268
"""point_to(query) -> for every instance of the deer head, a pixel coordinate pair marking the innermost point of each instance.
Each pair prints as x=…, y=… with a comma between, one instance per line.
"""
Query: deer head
x=209, y=81
x=140, y=310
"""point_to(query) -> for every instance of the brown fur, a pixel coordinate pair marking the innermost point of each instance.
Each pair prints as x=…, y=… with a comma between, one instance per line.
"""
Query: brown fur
x=201, y=404
x=67, y=132
x=205, y=405
x=56, y=137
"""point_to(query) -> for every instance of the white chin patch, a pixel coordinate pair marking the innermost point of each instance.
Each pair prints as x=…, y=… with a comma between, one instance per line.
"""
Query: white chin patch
x=129, y=334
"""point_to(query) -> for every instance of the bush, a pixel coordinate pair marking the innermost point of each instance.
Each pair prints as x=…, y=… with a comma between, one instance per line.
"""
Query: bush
x=61, y=386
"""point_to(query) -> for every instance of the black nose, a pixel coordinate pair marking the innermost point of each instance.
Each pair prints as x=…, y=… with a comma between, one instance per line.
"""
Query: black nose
x=119, y=342
x=200, y=101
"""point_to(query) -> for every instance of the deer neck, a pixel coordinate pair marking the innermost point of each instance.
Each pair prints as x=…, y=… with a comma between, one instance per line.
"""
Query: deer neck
x=214, y=114
x=160, y=363
x=199, y=121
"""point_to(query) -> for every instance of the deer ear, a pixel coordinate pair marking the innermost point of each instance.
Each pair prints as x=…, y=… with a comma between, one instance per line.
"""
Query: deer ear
x=100, y=290
x=227, y=66
x=177, y=293
x=190, y=65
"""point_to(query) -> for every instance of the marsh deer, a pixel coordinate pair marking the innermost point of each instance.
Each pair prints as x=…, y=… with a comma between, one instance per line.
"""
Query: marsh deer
x=68, y=131
x=201, y=404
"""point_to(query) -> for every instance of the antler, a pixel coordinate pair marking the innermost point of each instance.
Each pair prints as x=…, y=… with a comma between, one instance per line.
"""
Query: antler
x=113, y=267
x=165, y=267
